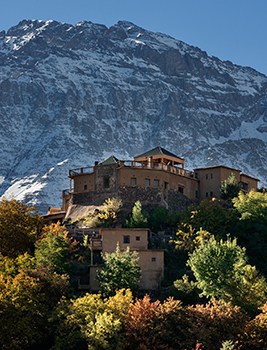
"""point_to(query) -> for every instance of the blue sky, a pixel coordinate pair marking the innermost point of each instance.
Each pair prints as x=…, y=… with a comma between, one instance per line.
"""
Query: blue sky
x=234, y=30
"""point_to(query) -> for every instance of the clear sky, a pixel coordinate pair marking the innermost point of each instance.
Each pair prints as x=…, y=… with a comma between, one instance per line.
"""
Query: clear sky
x=234, y=30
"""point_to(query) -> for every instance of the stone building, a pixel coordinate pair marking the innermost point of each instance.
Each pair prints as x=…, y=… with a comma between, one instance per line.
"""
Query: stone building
x=156, y=177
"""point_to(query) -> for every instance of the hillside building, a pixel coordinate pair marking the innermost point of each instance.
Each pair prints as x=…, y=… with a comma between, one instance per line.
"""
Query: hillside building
x=156, y=177
x=105, y=240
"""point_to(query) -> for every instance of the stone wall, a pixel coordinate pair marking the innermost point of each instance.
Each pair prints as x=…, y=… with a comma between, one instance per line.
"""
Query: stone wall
x=129, y=195
x=144, y=195
x=106, y=178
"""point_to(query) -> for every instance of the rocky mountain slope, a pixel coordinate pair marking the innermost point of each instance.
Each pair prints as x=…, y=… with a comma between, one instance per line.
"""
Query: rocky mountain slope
x=73, y=94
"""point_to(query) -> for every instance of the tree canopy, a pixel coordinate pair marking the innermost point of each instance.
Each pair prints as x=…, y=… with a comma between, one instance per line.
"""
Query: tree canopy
x=54, y=248
x=221, y=271
x=19, y=226
x=137, y=219
x=120, y=270
x=230, y=187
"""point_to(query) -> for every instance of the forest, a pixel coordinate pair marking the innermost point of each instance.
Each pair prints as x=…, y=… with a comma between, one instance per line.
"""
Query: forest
x=213, y=295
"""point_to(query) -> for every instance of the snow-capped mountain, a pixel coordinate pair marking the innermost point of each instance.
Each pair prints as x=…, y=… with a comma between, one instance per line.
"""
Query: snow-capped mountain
x=73, y=94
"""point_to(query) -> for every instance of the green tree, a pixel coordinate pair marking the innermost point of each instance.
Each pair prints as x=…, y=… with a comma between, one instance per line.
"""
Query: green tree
x=188, y=238
x=221, y=271
x=12, y=266
x=120, y=270
x=251, y=226
x=138, y=219
x=187, y=291
x=160, y=218
x=252, y=205
x=55, y=248
x=209, y=216
x=230, y=187
x=19, y=226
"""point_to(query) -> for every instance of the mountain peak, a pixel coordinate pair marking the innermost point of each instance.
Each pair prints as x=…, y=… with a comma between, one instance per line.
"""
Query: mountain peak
x=71, y=94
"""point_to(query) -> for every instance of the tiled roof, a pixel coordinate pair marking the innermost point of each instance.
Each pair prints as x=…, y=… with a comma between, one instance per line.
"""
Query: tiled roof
x=156, y=150
x=110, y=160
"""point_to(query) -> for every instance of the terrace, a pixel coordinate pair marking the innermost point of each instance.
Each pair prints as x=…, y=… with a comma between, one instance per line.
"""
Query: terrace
x=161, y=166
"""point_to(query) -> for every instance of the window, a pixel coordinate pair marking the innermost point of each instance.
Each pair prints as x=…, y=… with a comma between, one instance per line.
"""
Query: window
x=244, y=186
x=196, y=193
x=211, y=194
x=207, y=194
x=137, y=238
x=153, y=259
x=85, y=187
x=156, y=183
x=126, y=239
x=211, y=175
x=207, y=176
x=147, y=182
x=133, y=181
x=106, y=181
x=180, y=189
x=166, y=185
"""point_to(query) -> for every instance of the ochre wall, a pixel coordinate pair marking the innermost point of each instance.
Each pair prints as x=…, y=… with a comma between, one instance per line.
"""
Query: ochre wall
x=252, y=183
x=80, y=181
x=210, y=180
x=110, y=238
x=173, y=181
x=151, y=263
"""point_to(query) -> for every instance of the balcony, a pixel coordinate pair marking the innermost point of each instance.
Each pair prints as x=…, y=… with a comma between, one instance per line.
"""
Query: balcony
x=94, y=237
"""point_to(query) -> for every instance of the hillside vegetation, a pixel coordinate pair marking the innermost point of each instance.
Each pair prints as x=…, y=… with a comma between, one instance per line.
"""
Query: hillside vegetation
x=213, y=295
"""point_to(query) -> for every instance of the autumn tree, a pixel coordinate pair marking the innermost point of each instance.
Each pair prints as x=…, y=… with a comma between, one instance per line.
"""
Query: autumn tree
x=12, y=266
x=27, y=302
x=254, y=336
x=139, y=323
x=91, y=322
x=105, y=215
x=214, y=323
x=55, y=248
x=120, y=270
x=19, y=226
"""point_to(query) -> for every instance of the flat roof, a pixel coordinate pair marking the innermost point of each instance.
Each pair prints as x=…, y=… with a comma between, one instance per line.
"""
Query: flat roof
x=226, y=167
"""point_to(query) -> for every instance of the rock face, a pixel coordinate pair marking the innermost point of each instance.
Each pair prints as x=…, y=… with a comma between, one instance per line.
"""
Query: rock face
x=70, y=95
